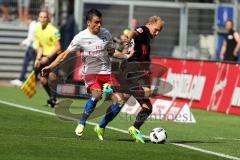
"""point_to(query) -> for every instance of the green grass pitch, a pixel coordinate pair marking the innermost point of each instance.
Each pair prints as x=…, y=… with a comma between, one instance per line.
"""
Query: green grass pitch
x=29, y=135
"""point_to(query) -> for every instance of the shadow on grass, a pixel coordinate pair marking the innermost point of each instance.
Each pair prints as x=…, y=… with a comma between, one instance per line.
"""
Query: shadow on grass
x=174, y=141
x=132, y=140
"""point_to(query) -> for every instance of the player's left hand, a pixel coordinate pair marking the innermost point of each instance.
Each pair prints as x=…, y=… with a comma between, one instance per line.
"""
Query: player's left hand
x=37, y=63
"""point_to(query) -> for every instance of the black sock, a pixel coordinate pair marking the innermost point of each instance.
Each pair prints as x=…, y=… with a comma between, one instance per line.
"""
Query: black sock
x=143, y=114
x=53, y=89
x=47, y=89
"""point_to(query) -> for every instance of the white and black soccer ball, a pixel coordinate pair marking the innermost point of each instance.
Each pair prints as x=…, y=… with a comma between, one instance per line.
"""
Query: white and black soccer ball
x=158, y=135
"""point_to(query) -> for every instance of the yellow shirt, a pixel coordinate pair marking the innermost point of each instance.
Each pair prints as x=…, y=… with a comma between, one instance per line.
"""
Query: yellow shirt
x=46, y=38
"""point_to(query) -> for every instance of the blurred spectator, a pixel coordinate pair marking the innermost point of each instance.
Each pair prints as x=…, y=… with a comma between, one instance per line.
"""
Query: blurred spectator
x=123, y=38
x=231, y=45
x=50, y=6
x=68, y=30
x=134, y=24
x=23, y=8
x=5, y=11
x=30, y=53
x=125, y=32
x=123, y=49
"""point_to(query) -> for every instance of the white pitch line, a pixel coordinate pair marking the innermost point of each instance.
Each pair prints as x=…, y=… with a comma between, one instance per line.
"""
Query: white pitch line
x=122, y=131
x=229, y=139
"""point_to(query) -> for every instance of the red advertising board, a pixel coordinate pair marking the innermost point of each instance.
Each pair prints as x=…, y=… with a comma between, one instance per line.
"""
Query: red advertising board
x=213, y=86
x=209, y=85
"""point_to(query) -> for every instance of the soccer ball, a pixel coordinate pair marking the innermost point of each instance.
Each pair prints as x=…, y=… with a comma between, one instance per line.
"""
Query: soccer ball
x=158, y=135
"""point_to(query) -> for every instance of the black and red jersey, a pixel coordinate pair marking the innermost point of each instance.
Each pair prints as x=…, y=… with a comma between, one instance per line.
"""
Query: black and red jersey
x=141, y=45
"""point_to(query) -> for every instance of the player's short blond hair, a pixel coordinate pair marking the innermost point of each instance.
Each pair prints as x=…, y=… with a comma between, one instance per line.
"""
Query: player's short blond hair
x=154, y=19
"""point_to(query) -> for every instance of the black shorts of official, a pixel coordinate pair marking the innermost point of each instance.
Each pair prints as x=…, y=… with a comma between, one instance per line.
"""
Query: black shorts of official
x=38, y=70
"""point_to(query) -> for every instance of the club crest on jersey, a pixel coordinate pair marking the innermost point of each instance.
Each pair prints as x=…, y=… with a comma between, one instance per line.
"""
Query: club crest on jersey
x=230, y=37
x=139, y=30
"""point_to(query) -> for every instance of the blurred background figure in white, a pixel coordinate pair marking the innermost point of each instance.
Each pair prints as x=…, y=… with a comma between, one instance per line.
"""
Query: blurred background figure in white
x=30, y=54
x=134, y=24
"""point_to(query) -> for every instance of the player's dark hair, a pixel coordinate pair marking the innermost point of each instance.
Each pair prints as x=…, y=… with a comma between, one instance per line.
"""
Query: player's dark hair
x=93, y=12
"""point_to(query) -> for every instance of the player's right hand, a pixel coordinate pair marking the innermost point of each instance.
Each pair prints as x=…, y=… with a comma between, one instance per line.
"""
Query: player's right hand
x=37, y=63
x=45, y=71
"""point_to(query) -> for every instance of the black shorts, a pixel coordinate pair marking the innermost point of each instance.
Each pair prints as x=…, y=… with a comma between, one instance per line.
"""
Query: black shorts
x=141, y=74
x=141, y=79
x=38, y=70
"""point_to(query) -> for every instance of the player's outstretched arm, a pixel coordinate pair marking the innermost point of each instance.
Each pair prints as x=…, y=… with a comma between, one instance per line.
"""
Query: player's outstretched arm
x=46, y=70
x=131, y=35
x=123, y=55
x=120, y=55
x=126, y=53
x=38, y=57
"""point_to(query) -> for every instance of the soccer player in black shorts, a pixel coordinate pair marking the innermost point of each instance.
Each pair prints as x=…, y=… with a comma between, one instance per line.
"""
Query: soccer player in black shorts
x=142, y=36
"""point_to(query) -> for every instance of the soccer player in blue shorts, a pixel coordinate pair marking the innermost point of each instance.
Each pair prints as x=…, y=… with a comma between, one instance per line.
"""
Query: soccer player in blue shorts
x=97, y=46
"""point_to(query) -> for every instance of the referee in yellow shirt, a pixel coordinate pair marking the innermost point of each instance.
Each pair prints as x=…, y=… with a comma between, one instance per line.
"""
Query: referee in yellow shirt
x=47, y=38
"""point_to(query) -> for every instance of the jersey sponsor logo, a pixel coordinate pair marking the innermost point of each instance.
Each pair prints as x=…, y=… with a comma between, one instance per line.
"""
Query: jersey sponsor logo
x=99, y=47
x=93, y=53
x=57, y=34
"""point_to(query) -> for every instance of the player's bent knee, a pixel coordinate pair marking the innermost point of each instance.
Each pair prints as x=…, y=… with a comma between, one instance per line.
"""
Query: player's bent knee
x=146, y=104
x=146, y=107
x=147, y=92
x=96, y=93
x=117, y=98
x=126, y=96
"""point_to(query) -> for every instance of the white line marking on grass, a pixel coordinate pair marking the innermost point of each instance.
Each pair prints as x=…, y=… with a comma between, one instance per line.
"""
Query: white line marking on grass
x=122, y=131
x=229, y=139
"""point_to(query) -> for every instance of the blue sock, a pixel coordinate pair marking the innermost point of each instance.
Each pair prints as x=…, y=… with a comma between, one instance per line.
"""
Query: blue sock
x=111, y=113
x=88, y=109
